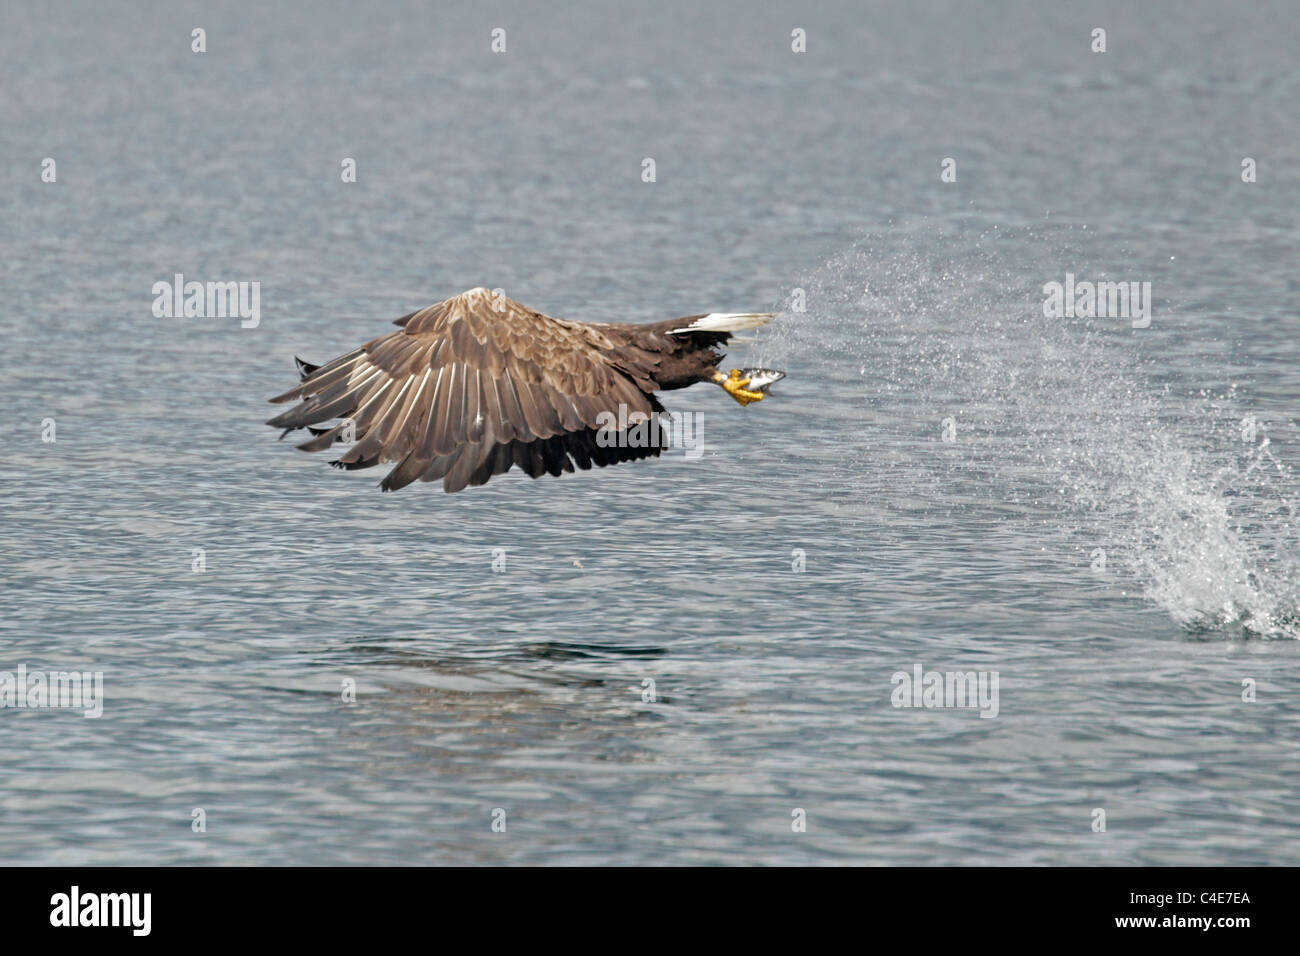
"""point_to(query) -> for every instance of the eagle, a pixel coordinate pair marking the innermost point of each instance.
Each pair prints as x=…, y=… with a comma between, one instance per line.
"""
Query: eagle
x=479, y=383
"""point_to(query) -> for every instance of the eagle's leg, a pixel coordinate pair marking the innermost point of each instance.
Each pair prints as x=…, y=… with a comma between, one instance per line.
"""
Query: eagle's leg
x=734, y=386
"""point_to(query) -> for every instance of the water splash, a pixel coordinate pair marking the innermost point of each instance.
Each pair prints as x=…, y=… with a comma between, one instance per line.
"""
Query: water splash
x=1211, y=543
x=1065, y=423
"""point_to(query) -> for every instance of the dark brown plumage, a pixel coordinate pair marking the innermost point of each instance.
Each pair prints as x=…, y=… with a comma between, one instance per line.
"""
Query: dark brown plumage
x=479, y=383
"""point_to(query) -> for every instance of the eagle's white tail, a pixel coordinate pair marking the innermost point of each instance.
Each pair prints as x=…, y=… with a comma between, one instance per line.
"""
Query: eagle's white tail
x=727, y=322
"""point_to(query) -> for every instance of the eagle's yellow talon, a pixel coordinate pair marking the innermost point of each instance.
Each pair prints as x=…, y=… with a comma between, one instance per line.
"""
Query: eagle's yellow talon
x=734, y=386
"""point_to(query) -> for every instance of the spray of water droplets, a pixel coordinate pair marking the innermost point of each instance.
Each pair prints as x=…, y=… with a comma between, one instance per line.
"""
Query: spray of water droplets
x=1060, y=422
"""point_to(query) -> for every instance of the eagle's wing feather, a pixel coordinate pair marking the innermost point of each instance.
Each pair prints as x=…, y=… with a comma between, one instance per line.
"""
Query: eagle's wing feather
x=468, y=388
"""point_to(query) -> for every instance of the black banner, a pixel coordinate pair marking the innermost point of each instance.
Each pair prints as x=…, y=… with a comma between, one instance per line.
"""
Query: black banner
x=951, y=906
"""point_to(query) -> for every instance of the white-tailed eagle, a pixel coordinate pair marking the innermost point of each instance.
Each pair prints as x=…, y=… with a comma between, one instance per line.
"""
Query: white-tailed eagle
x=479, y=383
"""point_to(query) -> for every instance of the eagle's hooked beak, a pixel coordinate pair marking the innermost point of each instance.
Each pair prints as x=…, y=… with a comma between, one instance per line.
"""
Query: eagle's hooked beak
x=748, y=385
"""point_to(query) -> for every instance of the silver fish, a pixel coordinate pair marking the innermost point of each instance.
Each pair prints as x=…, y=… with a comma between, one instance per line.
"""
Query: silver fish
x=760, y=379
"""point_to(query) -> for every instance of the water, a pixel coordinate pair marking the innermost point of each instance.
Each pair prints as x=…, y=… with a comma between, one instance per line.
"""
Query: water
x=1172, y=450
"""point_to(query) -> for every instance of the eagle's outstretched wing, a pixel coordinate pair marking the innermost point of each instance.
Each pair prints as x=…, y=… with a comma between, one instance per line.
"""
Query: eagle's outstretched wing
x=471, y=386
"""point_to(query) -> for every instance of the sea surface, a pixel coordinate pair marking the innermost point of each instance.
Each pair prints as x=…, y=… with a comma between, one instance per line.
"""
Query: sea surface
x=694, y=660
